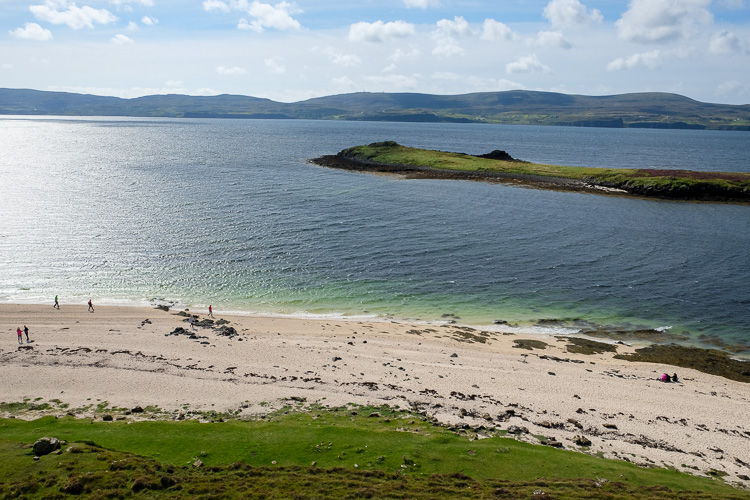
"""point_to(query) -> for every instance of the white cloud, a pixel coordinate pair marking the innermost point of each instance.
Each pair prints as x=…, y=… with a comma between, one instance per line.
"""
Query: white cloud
x=400, y=55
x=446, y=36
x=273, y=66
x=149, y=21
x=343, y=60
x=732, y=88
x=648, y=21
x=495, y=30
x=393, y=82
x=215, y=5
x=74, y=17
x=32, y=31
x=552, y=39
x=132, y=26
x=234, y=70
x=145, y=3
x=379, y=31
x=476, y=83
x=647, y=59
x=527, y=64
x=421, y=4
x=120, y=39
x=724, y=42
x=568, y=13
x=265, y=15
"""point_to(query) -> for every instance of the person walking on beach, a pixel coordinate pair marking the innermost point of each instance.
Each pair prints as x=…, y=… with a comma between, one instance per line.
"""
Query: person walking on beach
x=26, y=331
x=91, y=306
x=57, y=305
x=210, y=311
x=19, y=332
x=192, y=322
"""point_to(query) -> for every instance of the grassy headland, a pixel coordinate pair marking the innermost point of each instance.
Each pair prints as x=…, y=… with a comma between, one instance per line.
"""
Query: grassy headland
x=318, y=452
x=390, y=157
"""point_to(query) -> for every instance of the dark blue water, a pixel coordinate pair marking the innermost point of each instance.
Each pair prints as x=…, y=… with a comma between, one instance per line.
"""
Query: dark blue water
x=230, y=213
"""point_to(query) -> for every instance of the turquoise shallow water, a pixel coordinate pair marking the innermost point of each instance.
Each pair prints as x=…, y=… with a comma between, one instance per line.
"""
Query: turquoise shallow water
x=229, y=213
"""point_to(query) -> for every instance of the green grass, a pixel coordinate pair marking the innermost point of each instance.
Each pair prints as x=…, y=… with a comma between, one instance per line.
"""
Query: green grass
x=674, y=183
x=348, y=452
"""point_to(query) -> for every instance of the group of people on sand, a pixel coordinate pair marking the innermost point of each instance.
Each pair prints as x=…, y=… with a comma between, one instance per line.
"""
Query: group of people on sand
x=21, y=332
x=56, y=305
x=666, y=378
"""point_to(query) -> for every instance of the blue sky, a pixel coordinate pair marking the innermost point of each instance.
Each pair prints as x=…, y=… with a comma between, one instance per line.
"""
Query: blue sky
x=290, y=51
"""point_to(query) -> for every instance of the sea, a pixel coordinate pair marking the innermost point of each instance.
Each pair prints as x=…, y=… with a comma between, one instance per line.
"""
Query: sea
x=192, y=212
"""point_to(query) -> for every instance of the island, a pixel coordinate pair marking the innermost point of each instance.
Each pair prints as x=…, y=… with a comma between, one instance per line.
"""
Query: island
x=389, y=157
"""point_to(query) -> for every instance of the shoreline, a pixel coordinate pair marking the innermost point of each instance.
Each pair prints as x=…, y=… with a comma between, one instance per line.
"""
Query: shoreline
x=251, y=365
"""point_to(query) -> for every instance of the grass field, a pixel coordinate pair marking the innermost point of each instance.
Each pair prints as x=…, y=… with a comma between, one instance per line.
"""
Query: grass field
x=316, y=452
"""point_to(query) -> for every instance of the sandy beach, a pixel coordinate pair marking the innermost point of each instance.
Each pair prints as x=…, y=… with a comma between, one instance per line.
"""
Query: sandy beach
x=131, y=357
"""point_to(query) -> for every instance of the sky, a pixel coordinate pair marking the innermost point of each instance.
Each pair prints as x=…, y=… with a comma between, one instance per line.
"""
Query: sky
x=294, y=50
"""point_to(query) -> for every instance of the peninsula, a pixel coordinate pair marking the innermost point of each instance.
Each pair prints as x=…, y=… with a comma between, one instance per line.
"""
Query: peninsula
x=389, y=157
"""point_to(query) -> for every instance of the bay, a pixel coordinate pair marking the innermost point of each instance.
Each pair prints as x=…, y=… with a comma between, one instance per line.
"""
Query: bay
x=230, y=213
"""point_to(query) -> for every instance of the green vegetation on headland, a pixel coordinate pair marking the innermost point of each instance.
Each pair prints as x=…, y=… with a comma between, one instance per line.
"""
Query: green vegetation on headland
x=515, y=107
x=319, y=452
x=498, y=166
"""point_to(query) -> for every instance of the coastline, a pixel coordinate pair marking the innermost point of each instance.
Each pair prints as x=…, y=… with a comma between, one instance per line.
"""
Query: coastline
x=251, y=365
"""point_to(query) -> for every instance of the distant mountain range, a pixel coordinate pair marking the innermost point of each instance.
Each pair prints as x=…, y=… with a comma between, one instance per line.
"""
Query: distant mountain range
x=521, y=107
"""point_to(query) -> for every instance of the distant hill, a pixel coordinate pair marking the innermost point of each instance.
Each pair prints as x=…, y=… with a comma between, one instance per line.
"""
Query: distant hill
x=522, y=107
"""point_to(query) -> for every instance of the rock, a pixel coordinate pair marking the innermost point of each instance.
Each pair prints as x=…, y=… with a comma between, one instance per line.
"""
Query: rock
x=610, y=426
x=515, y=429
x=743, y=477
x=198, y=463
x=497, y=154
x=575, y=423
x=162, y=308
x=46, y=445
x=107, y=418
x=227, y=331
x=582, y=441
x=454, y=355
x=375, y=414
x=136, y=409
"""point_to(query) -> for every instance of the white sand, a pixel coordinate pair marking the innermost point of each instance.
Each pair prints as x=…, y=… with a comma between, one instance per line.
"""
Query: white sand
x=83, y=359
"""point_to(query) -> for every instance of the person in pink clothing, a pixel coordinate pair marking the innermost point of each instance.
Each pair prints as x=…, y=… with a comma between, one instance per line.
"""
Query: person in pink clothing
x=19, y=332
x=210, y=311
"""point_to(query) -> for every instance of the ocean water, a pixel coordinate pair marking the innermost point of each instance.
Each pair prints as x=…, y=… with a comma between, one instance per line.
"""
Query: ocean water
x=230, y=213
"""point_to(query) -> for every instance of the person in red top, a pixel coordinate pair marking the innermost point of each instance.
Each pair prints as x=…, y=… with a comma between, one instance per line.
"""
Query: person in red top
x=210, y=311
x=19, y=332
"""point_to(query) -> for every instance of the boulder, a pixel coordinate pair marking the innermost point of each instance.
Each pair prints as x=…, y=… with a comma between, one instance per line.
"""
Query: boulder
x=515, y=429
x=46, y=445
x=582, y=441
